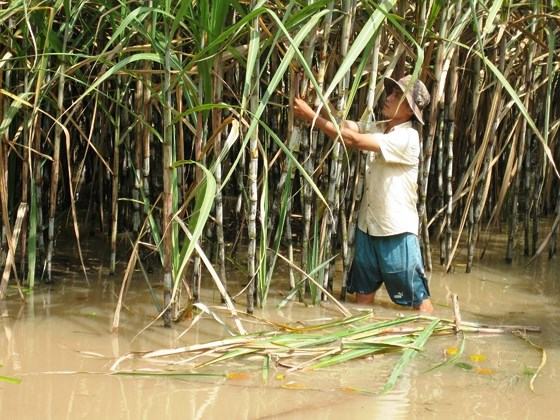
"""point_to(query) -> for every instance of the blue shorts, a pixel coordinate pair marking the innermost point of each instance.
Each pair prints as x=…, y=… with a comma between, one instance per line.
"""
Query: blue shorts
x=394, y=260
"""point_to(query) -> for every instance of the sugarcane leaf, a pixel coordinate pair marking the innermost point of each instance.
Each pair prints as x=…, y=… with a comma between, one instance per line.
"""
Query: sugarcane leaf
x=113, y=70
x=360, y=43
x=346, y=356
x=294, y=385
x=251, y=64
x=485, y=371
x=266, y=368
x=228, y=355
x=275, y=80
x=454, y=353
x=515, y=97
x=206, y=192
x=492, y=13
x=295, y=162
x=15, y=105
x=408, y=355
x=292, y=292
x=175, y=374
x=464, y=365
x=10, y=379
x=138, y=14
x=238, y=376
x=477, y=358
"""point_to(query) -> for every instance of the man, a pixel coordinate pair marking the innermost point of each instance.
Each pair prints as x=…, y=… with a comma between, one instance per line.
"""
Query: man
x=386, y=245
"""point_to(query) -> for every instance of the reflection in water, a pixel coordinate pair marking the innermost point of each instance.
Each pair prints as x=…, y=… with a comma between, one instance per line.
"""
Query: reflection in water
x=58, y=342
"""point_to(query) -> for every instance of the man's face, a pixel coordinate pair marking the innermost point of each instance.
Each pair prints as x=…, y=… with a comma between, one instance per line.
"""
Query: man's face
x=395, y=106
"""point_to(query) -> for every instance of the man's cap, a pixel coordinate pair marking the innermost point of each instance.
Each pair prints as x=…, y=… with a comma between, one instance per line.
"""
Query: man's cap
x=415, y=92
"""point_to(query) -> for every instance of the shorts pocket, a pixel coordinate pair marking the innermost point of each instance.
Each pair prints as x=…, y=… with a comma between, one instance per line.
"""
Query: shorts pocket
x=393, y=253
x=398, y=287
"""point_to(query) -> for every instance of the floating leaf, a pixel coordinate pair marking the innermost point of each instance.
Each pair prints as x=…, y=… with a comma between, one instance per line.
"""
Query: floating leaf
x=485, y=371
x=10, y=380
x=352, y=390
x=280, y=377
x=238, y=376
x=293, y=385
x=529, y=371
x=159, y=373
x=464, y=365
x=266, y=368
x=451, y=351
x=477, y=358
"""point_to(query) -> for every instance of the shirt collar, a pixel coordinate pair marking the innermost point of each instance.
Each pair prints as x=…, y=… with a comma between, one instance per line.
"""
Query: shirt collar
x=406, y=124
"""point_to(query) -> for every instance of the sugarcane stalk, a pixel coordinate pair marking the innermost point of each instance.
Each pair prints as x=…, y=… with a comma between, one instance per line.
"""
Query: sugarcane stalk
x=146, y=133
x=488, y=144
x=522, y=134
x=309, y=145
x=100, y=185
x=6, y=231
x=167, y=199
x=551, y=42
x=335, y=176
x=198, y=143
x=473, y=135
x=252, y=178
x=219, y=210
x=139, y=98
x=440, y=134
x=435, y=105
x=450, y=132
x=10, y=259
x=115, y=184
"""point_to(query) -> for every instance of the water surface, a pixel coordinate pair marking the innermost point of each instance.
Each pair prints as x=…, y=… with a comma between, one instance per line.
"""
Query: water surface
x=59, y=344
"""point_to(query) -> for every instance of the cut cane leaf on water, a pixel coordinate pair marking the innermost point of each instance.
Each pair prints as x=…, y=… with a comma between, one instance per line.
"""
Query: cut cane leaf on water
x=409, y=354
x=485, y=371
x=451, y=351
x=294, y=385
x=464, y=365
x=238, y=376
x=353, y=390
x=452, y=355
x=318, y=346
x=477, y=358
x=10, y=379
x=524, y=337
x=170, y=374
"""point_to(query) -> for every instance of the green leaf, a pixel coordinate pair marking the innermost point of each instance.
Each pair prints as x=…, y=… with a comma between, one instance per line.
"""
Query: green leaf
x=409, y=354
x=464, y=365
x=115, y=69
x=489, y=25
x=10, y=380
x=360, y=43
x=205, y=193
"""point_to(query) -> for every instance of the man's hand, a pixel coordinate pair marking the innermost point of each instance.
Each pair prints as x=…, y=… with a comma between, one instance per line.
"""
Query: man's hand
x=302, y=110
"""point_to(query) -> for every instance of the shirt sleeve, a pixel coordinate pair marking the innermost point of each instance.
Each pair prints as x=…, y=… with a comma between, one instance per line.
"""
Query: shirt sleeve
x=400, y=146
x=369, y=127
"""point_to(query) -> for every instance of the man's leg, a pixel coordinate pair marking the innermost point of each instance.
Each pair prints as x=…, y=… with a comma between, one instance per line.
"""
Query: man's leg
x=403, y=272
x=364, y=278
x=365, y=298
x=426, y=306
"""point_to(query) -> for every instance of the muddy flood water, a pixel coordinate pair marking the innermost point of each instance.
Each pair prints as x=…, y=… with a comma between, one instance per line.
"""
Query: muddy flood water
x=59, y=345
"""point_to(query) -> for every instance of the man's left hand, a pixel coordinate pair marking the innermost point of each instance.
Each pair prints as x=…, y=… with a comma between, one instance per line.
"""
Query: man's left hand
x=302, y=110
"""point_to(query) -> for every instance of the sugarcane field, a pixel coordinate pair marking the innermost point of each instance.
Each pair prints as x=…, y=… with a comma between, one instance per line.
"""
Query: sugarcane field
x=285, y=209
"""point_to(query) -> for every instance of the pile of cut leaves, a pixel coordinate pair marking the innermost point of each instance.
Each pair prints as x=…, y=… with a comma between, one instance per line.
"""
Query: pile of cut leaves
x=296, y=348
